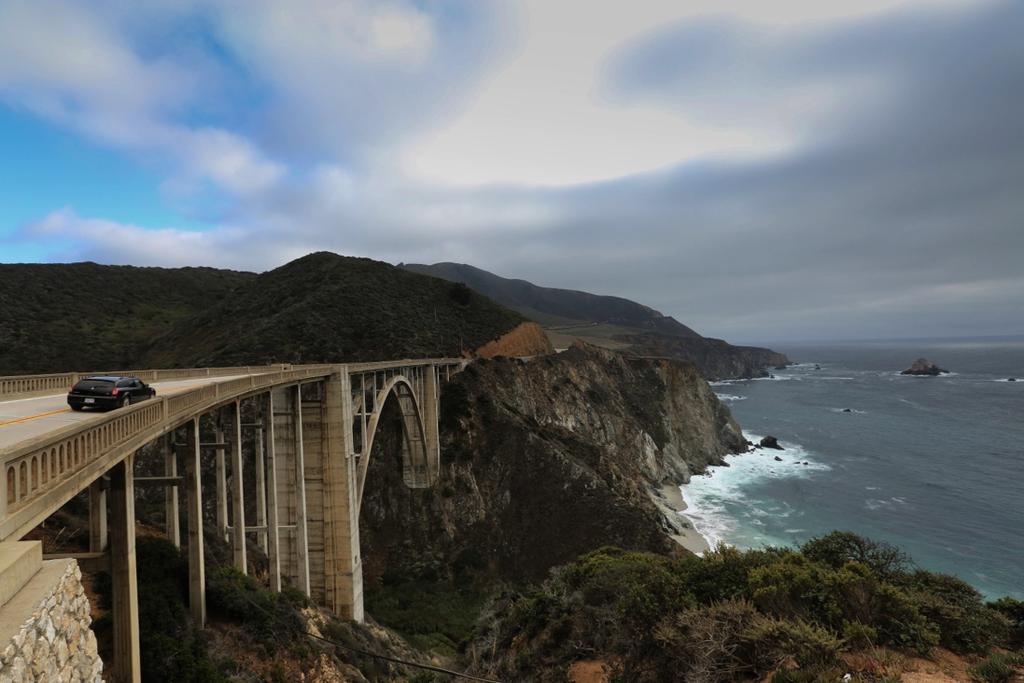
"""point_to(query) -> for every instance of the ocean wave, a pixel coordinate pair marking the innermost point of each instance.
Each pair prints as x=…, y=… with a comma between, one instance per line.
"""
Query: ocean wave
x=848, y=410
x=709, y=496
x=879, y=504
x=730, y=397
x=1008, y=381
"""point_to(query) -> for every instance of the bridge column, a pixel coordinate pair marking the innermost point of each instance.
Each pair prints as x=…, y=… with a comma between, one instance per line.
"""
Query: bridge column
x=171, y=493
x=97, y=516
x=430, y=409
x=194, y=511
x=343, y=570
x=301, y=530
x=260, y=471
x=273, y=539
x=126, y=667
x=222, y=484
x=238, y=492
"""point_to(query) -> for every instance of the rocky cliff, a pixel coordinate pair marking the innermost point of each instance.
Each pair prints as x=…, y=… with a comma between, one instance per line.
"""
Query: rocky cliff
x=714, y=358
x=543, y=460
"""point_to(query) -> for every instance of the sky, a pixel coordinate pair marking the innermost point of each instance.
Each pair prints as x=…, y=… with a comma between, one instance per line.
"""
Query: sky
x=781, y=170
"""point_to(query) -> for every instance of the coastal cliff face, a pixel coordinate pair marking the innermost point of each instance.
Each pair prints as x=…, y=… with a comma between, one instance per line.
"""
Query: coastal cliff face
x=714, y=358
x=544, y=460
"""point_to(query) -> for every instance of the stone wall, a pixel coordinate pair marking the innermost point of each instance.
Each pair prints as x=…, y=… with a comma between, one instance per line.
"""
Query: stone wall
x=45, y=629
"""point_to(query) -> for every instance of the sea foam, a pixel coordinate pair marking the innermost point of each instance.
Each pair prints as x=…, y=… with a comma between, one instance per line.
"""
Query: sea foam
x=715, y=502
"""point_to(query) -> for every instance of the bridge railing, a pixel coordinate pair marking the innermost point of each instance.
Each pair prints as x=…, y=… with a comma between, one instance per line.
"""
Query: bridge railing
x=22, y=386
x=37, y=473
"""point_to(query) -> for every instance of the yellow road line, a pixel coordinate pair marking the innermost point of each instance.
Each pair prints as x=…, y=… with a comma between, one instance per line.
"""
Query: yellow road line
x=34, y=417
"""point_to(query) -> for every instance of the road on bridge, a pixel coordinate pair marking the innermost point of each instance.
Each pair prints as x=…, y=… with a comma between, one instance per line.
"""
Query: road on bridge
x=27, y=418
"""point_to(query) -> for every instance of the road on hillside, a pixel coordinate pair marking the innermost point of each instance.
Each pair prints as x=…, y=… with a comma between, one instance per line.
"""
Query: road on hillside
x=27, y=418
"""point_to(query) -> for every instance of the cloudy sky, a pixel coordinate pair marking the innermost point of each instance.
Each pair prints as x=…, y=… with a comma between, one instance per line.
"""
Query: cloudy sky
x=761, y=170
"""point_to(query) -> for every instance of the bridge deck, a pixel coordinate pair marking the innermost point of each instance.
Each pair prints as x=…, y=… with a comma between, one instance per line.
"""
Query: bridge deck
x=28, y=418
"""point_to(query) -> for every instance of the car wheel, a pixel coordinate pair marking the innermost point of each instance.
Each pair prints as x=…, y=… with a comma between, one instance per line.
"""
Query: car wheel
x=126, y=401
x=76, y=408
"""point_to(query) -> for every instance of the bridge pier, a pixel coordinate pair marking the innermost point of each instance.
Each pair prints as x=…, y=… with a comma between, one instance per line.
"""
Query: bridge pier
x=97, y=516
x=237, y=492
x=125, y=593
x=259, y=468
x=343, y=570
x=273, y=538
x=171, y=523
x=301, y=522
x=194, y=513
x=221, y=483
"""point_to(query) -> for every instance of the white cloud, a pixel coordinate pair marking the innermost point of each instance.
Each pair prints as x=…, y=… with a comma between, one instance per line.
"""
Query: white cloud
x=75, y=68
x=402, y=31
x=545, y=119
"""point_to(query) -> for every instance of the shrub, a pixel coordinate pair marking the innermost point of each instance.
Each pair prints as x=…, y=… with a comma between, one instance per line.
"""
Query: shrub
x=965, y=624
x=636, y=588
x=431, y=615
x=997, y=668
x=792, y=587
x=170, y=647
x=773, y=641
x=839, y=547
x=703, y=643
x=857, y=635
x=721, y=574
x=1013, y=611
x=271, y=618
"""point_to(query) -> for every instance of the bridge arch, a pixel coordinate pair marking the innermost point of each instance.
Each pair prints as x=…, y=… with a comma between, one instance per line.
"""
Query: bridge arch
x=420, y=459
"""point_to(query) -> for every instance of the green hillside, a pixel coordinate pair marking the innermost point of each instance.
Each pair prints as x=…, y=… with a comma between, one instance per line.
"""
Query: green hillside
x=327, y=308
x=74, y=316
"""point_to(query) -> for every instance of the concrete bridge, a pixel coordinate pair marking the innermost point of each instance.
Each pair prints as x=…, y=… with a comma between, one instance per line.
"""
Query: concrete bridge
x=296, y=438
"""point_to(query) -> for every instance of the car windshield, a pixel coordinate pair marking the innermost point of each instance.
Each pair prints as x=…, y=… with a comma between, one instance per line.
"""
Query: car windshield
x=93, y=384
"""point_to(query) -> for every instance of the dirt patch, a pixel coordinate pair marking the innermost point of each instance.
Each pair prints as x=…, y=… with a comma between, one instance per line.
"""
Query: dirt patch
x=526, y=339
x=591, y=671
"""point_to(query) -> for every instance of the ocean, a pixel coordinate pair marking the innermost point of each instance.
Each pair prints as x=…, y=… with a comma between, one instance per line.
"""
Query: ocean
x=932, y=464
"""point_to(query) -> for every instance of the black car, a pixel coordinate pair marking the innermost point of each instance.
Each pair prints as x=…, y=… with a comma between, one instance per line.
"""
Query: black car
x=108, y=391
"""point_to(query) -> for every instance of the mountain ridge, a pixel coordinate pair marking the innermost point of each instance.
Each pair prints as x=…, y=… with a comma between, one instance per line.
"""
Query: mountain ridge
x=611, y=322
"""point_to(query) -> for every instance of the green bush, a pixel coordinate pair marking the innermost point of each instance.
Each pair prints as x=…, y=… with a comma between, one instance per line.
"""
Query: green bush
x=731, y=615
x=839, y=547
x=965, y=624
x=1013, y=611
x=997, y=668
x=704, y=643
x=272, y=619
x=432, y=616
x=171, y=648
x=773, y=641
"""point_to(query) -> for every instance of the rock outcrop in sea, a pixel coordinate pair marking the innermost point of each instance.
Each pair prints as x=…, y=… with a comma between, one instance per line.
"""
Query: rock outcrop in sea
x=923, y=366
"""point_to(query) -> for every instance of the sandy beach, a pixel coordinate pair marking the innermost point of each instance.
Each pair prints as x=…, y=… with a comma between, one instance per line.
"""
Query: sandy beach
x=688, y=538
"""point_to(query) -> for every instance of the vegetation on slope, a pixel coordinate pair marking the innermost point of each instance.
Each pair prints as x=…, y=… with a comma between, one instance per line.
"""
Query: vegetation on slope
x=734, y=615
x=84, y=316
x=329, y=308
